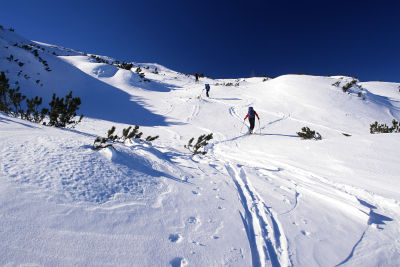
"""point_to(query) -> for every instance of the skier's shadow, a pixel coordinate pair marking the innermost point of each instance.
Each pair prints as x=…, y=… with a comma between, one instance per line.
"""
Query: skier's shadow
x=233, y=98
x=285, y=135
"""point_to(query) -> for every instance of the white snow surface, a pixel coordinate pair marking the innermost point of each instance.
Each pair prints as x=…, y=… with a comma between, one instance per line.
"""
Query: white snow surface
x=267, y=199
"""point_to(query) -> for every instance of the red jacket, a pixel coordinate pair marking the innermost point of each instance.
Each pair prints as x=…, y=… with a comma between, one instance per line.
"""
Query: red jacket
x=254, y=113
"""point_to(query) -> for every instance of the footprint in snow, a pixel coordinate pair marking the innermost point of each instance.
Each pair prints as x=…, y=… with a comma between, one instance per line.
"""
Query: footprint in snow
x=175, y=238
x=178, y=262
x=196, y=193
x=306, y=233
x=192, y=219
x=198, y=243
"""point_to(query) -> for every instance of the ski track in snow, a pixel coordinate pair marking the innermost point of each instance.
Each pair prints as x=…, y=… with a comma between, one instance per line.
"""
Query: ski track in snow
x=195, y=112
x=266, y=238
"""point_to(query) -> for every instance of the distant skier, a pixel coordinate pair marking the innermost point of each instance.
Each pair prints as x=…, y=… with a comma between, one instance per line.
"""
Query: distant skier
x=207, y=89
x=252, y=117
x=197, y=77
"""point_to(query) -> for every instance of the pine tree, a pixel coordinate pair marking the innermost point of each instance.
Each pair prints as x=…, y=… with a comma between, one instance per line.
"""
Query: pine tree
x=306, y=133
x=16, y=98
x=63, y=111
x=202, y=141
x=4, y=87
x=32, y=112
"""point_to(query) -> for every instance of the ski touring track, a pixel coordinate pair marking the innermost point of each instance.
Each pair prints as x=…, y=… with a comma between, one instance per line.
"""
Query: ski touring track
x=267, y=241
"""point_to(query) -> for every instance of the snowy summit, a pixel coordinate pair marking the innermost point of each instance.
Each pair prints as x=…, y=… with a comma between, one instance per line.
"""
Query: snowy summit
x=266, y=199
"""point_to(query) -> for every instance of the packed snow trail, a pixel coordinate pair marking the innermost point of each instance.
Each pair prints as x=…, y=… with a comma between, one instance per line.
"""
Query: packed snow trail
x=303, y=185
x=262, y=228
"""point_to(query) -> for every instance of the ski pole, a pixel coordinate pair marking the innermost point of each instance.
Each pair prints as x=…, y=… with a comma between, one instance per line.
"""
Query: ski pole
x=259, y=126
x=242, y=126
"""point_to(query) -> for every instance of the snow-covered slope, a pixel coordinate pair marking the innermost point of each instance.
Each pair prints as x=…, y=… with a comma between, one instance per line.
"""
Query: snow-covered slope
x=268, y=199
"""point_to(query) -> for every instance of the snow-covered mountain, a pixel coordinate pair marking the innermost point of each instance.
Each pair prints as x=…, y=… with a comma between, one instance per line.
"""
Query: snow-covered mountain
x=268, y=199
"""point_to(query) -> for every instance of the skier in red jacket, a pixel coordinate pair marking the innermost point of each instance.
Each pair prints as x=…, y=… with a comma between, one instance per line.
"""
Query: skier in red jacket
x=252, y=117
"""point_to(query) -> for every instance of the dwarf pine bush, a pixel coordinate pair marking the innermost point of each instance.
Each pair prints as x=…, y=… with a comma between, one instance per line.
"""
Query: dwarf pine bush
x=63, y=111
x=32, y=112
x=383, y=128
x=127, y=134
x=202, y=141
x=16, y=98
x=306, y=133
x=347, y=86
x=4, y=87
x=125, y=66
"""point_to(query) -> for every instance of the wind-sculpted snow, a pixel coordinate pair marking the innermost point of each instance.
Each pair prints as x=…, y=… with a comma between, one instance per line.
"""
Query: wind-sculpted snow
x=85, y=175
x=267, y=199
x=104, y=71
x=99, y=100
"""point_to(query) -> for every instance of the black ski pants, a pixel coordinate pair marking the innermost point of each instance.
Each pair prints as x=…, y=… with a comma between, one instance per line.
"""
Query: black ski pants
x=252, y=120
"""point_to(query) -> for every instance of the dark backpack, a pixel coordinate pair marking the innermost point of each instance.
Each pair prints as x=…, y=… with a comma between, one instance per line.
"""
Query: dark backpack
x=251, y=112
x=207, y=86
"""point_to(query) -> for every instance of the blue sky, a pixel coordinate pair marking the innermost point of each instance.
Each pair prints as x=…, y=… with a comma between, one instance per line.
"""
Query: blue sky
x=224, y=39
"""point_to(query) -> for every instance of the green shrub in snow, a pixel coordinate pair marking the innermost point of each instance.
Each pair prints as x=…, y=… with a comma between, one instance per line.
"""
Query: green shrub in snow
x=4, y=87
x=202, y=141
x=61, y=114
x=63, y=111
x=347, y=86
x=127, y=134
x=383, y=128
x=32, y=112
x=126, y=66
x=98, y=59
x=16, y=98
x=306, y=133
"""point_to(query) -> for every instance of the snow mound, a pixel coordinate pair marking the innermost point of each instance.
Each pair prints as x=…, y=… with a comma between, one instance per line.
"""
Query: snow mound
x=69, y=170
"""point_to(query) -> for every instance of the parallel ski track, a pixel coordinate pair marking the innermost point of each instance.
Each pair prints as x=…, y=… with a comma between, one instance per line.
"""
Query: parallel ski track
x=267, y=241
